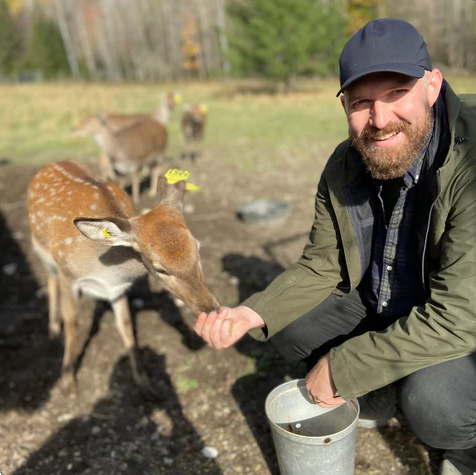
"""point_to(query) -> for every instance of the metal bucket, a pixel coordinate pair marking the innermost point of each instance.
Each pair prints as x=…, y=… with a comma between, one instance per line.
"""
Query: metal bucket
x=309, y=439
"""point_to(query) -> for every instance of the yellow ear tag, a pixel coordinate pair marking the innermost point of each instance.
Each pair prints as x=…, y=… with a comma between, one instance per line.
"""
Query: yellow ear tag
x=178, y=99
x=174, y=176
x=204, y=109
x=106, y=234
x=191, y=187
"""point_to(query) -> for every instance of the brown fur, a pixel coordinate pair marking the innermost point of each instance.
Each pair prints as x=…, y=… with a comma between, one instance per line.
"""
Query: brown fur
x=130, y=149
x=69, y=209
x=117, y=122
x=194, y=120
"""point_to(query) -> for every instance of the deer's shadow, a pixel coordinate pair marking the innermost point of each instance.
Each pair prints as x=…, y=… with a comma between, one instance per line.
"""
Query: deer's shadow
x=124, y=432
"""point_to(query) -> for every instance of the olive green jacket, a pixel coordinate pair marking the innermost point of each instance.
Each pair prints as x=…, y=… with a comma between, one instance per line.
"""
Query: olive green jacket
x=442, y=329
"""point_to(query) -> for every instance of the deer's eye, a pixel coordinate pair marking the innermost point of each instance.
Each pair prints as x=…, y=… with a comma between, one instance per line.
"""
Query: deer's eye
x=161, y=271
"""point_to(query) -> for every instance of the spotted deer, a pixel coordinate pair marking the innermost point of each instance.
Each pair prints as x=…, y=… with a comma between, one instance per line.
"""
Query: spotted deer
x=117, y=122
x=131, y=149
x=90, y=241
x=194, y=120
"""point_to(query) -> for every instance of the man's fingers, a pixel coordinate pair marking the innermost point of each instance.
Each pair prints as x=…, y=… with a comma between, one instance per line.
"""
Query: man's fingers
x=206, y=327
x=199, y=323
x=215, y=331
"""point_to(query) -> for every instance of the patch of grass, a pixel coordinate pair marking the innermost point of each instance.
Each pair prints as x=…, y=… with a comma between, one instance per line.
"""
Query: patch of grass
x=184, y=385
x=249, y=129
x=250, y=368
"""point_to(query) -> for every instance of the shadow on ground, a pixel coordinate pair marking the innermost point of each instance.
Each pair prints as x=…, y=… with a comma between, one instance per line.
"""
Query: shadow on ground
x=125, y=434
x=24, y=346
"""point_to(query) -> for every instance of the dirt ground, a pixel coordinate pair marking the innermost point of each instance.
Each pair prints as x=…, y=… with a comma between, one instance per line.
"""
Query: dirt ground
x=207, y=398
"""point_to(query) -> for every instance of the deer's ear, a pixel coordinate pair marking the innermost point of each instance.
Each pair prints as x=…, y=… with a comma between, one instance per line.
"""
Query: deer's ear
x=109, y=231
x=102, y=117
x=172, y=193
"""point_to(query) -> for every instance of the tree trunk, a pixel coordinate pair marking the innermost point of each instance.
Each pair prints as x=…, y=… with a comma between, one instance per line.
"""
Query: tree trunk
x=223, y=40
x=83, y=35
x=203, y=35
x=65, y=35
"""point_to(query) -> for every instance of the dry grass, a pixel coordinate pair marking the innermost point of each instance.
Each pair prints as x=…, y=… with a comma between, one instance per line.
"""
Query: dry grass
x=246, y=121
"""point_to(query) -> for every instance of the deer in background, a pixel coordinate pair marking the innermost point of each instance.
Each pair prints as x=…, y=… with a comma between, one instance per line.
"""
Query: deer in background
x=194, y=120
x=117, y=122
x=130, y=149
x=90, y=241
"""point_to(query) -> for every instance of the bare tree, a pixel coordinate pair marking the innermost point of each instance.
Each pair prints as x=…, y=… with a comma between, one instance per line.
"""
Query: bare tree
x=65, y=34
x=223, y=39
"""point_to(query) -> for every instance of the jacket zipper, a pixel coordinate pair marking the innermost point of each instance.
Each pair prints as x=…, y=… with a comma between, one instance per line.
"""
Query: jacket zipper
x=458, y=140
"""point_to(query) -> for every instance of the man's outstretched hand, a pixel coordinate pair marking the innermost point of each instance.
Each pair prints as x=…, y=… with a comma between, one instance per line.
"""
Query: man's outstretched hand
x=221, y=330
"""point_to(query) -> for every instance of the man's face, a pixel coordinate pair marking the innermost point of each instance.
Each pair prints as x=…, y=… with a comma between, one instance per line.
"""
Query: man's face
x=389, y=117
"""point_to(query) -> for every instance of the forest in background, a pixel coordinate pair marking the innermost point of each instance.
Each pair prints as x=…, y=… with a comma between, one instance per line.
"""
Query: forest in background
x=170, y=40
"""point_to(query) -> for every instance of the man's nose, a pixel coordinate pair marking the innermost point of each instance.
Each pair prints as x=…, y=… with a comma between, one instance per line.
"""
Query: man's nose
x=380, y=115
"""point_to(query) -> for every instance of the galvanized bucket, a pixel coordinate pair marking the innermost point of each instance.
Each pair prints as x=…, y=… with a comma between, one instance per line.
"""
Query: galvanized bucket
x=309, y=439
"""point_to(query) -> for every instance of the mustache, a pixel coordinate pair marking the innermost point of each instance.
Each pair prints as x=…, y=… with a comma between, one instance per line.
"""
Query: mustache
x=372, y=133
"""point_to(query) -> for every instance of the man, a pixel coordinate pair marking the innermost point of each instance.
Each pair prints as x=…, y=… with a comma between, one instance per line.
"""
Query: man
x=384, y=295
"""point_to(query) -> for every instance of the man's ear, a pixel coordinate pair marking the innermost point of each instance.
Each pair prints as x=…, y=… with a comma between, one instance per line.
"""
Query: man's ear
x=342, y=101
x=435, y=80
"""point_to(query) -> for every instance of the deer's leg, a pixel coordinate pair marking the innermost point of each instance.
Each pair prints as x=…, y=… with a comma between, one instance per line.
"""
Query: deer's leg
x=154, y=179
x=106, y=170
x=69, y=313
x=136, y=186
x=54, y=319
x=122, y=315
x=121, y=182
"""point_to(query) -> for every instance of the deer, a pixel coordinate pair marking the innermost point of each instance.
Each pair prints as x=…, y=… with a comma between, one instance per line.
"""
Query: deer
x=117, y=122
x=194, y=120
x=130, y=149
x=87, y=236
x=163, y=113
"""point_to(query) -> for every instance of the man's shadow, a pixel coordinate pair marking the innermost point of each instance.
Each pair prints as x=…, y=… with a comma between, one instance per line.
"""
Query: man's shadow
x=254, y=275
x=126, y=434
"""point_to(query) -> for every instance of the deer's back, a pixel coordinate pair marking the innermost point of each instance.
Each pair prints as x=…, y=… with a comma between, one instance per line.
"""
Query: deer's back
x=117, y=122
x=141, y=142
x=57, y=195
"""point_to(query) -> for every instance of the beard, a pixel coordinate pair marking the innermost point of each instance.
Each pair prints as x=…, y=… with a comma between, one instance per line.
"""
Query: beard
x=386, y=163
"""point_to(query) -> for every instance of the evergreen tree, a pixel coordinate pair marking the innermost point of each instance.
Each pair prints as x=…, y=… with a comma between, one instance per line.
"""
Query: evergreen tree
x=10, y=43
x=282, y=39
x=46, y=51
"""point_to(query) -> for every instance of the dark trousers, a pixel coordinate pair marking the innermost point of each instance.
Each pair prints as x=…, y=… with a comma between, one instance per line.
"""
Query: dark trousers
x=439, y=402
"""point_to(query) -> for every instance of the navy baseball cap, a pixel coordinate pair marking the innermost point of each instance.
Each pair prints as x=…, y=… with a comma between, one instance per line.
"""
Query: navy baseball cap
x=383, y=45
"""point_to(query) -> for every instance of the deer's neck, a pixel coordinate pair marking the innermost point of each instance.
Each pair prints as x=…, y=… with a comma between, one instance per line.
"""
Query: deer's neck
x=162, y=114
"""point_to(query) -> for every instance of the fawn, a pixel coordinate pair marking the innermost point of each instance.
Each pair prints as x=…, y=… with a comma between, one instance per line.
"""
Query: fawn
x=194, y=119
x=90, y=241
x=132, y=148
x=117, y=122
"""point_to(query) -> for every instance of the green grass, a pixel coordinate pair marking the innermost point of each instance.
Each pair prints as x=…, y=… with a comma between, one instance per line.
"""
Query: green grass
x=36, y=120
x=184, y=385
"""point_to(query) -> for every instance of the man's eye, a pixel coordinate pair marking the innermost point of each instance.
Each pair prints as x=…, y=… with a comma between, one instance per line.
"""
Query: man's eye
x=161, y=271
x=359, y=103
x=399, y=91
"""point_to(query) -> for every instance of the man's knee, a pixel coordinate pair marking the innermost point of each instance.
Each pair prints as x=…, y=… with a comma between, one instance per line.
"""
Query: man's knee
x=439, y=415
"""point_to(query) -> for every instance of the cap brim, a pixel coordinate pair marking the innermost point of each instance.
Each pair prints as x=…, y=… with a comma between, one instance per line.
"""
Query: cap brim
x=411, y=70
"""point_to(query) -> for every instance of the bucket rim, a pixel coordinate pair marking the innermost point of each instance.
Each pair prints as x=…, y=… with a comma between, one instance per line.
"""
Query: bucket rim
x=298, y=384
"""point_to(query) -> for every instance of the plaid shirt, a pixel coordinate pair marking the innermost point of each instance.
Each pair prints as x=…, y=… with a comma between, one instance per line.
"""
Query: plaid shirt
x=392, y=285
